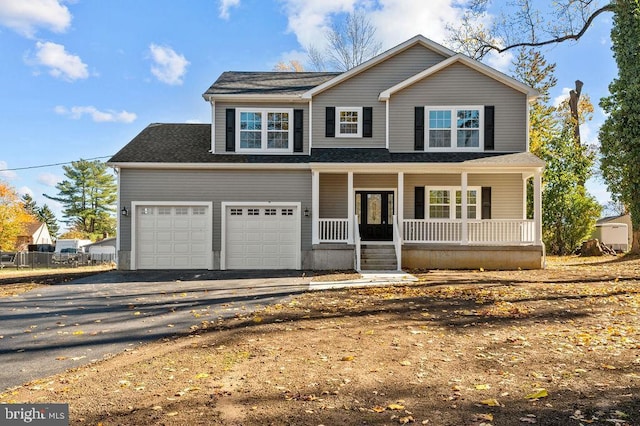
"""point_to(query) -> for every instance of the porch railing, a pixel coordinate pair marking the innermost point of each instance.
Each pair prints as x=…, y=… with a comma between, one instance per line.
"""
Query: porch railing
x=333, y=230
x=502, y=231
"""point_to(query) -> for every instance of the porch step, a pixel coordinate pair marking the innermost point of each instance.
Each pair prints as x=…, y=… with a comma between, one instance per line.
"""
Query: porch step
x=378, y=258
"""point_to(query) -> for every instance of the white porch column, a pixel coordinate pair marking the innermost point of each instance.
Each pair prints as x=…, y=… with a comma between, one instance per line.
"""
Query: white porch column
x=315, y=207
x=525, y=180
x=463, y=196
x=537, y=206
x=400, y=208
x=350, y=208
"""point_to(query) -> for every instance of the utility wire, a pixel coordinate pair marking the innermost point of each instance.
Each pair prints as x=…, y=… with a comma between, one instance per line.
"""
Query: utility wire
x=52, y=165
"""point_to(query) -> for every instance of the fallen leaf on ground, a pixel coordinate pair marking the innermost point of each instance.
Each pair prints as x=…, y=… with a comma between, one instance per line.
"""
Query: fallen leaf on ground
x=491, y=402
x=539, y=393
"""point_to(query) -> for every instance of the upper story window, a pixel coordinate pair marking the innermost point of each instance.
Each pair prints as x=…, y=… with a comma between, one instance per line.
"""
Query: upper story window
x=264, y=130
x=454, y=128
x=348, y=122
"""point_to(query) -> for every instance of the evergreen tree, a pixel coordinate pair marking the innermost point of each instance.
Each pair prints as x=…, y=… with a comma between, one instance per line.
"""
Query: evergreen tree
x=30, y=205
x=620, y=133
x=46, y=216
x=88, y=195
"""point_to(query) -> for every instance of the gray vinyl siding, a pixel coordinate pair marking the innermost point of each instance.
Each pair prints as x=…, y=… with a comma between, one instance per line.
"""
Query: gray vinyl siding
x=220, y=120
x=506, y=191
x=374, y=181
x=333, y=196
x=214, y=186
x=363, y=89
x=460, y=85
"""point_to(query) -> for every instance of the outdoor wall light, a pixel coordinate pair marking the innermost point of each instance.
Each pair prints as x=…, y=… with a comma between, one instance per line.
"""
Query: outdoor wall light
x=124, y=211
x=306, y=212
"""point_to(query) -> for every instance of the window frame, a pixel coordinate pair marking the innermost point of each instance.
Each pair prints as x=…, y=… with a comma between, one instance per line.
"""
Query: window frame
x=358, y=134
x=453, y=109
x=264, y=131
x=452, y=201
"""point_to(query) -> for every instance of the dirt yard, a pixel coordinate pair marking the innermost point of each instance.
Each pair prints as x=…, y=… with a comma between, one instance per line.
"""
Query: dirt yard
x=559, y=346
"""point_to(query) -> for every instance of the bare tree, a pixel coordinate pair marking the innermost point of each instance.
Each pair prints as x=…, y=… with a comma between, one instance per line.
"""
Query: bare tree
x=351, y=42
x=524, y=23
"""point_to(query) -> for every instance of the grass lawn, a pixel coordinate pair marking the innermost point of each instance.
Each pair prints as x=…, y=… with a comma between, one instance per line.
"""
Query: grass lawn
x=559, y=346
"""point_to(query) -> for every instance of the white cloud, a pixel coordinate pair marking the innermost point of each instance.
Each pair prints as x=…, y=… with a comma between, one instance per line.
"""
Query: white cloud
x=225, y=5
x=562, y=97
x=168, y=66
x=25, y=16
x=24, y=190
x=6, y=174
x=194, y=121
x=61, y=63
x=49, y=179
x=395, y=20
x=108, y=116
x=500, y=61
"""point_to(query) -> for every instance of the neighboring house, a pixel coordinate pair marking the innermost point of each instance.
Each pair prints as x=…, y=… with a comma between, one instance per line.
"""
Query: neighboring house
x=615, y=232
x=103, y=250
x=362, y=169
x=34, y=233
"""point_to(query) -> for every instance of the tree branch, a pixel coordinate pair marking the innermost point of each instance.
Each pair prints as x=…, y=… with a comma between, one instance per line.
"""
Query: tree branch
x=487, y=47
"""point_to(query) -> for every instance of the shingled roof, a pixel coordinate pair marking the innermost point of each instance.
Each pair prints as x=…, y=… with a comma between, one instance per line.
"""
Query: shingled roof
x=191, y=144
x=267, y=83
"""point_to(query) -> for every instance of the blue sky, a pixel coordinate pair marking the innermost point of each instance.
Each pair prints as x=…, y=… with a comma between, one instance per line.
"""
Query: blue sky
x=81, y=78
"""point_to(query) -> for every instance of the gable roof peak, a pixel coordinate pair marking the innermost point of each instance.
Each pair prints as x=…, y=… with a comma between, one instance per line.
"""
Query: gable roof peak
x=413, y=41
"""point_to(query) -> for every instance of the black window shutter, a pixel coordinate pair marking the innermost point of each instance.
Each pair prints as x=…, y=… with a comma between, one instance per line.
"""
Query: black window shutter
x=486, y=202
x=330, y=122
x=489, y=117
x=297, y=130
x=231, y=130
x=367, y=122
x=419, y=131
x=419, y=202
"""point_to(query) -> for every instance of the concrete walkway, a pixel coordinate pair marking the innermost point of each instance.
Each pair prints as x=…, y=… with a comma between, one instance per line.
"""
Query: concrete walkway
x=370, y=278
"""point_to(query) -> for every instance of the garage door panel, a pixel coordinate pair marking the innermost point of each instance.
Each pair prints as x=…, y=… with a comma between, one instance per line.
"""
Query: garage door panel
x=265, y=239
x=173, y=237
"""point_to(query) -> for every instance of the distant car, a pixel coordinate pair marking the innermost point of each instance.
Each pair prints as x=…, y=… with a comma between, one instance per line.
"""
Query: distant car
x=66, y=255
x=7, y=259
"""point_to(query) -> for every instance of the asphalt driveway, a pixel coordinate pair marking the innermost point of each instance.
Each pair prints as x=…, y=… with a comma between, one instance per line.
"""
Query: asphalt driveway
x=51, y=329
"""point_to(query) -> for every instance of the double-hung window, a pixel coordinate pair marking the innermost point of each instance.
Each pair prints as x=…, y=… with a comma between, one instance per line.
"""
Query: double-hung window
x=264, y=130
x=349, y=122
x=454, y=128
x=446, y=203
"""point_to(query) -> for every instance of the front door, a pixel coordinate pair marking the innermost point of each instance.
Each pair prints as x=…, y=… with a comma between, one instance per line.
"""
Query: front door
x=375, y=215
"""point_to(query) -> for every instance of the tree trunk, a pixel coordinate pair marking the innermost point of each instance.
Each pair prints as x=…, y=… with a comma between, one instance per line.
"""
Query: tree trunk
x=635, y=245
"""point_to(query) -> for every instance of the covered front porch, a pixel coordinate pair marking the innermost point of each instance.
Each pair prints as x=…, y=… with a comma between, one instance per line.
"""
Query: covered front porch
x=420, y=211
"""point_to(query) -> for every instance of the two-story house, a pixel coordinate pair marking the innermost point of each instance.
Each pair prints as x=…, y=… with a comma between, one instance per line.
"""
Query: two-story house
x=416, y=158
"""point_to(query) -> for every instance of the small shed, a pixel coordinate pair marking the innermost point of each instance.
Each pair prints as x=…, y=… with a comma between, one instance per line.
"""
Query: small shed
x=615, y=232
x=103, y=250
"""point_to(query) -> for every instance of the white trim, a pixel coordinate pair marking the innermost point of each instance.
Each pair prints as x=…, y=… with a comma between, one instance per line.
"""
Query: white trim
x=264, y=131
x=358, y=133
x=416, y=40
x=212, y=166
x=118, y=214
x=310, y=132
x=386, y=135
x=454, y=128
x=134, y=215
x=350, y=209
x=315, y=207
x=223, y=230
x=255, y=98
x=478, y=66
x=213, y=126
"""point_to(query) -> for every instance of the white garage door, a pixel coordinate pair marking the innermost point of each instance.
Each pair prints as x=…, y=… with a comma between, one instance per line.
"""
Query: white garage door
x=173, y=237
x=262, y=237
